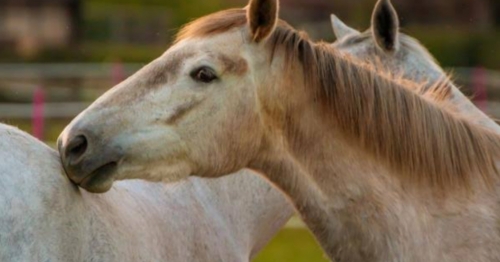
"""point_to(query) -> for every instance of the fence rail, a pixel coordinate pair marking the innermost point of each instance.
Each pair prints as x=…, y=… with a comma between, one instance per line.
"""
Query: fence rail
x=464, y=75
x=66, y=70
x=27, y=77
x=50, y=110
x=38, y=86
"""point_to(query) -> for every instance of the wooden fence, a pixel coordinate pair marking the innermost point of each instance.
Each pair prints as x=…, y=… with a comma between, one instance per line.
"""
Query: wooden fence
x=33, y=91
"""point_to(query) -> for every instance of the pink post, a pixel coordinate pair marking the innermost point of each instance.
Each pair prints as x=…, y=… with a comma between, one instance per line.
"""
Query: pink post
x=38, y=108
x=117, y=72
x=479, y=78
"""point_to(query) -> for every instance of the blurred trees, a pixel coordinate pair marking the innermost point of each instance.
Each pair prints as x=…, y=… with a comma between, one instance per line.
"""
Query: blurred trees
x=458, y=32
x=184, y=10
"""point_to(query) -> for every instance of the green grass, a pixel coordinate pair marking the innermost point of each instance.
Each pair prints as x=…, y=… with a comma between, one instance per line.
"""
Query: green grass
x=292, y=245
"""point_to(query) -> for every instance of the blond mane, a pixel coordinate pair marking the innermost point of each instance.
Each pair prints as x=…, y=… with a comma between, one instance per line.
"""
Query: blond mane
x=420, y=136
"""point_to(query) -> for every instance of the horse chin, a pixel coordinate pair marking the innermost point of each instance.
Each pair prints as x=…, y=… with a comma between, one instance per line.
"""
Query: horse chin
x=101, y=180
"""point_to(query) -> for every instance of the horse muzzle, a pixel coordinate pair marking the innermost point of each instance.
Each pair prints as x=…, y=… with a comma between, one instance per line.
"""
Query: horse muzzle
x=89, y=162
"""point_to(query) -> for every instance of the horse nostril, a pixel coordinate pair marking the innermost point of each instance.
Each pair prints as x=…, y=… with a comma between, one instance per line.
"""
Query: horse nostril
x=76, y=148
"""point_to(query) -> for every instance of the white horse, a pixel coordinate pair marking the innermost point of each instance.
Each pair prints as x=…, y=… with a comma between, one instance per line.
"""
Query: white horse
x=380, y=169
x=383, y=45
x=44, y=217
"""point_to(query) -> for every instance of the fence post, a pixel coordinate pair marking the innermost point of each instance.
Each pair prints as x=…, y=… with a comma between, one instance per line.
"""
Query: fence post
x=117, y=72
x=38, y=112
x=479, y=76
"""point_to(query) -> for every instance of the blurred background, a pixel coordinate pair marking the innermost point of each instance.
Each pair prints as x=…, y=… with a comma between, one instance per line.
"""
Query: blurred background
x=57, y=56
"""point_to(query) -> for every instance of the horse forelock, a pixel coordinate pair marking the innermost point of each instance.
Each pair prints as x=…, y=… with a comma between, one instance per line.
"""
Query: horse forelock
x=409, y=126
x=212, y=24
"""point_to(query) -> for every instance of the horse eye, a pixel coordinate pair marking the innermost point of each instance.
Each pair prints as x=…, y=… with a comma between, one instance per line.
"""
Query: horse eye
x=204, y=75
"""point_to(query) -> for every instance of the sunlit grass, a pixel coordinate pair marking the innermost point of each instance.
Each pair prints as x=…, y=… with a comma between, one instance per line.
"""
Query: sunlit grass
x=292, y=245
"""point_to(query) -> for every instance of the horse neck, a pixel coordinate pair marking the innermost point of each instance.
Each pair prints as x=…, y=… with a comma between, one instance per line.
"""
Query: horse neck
x=358, y=212
x=351, y=201
x=298, y=159
x=333, y=190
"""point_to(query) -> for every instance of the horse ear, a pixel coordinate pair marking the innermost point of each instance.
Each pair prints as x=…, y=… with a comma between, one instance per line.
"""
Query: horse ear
x=262, y=16
x=340, y=29
x=385, y=26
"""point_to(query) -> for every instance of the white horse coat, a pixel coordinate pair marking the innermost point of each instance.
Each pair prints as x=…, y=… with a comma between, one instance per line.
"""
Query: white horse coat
x=44, y=217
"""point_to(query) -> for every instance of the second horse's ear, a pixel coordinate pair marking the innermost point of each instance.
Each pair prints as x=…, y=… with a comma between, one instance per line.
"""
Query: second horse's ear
x=385, y=26
x=262, y=16
x=340, y=29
